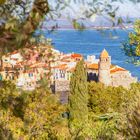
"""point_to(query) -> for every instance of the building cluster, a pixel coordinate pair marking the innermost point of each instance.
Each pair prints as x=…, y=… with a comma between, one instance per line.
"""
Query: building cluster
x=25, y=68
x=28, y=68
x=99, y=70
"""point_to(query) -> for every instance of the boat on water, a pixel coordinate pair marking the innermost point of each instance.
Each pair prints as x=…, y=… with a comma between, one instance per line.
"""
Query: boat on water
x=114, y=37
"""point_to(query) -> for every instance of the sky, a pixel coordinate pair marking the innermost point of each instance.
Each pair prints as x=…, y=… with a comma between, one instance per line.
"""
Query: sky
x=127, y=8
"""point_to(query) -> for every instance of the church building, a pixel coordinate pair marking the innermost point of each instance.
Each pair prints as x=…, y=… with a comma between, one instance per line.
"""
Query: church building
x=109, y=74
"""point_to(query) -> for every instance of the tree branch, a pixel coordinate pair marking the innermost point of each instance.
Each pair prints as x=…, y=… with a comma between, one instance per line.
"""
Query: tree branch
x=17, y=35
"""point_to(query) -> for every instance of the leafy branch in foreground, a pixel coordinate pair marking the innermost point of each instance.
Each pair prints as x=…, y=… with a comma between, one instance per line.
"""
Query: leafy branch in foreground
x=17, y=26
x=15, y=35
x=132, y=47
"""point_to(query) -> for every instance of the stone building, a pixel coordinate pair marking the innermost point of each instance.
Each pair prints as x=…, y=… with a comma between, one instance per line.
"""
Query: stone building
x=113, y=75
x=104, y=68
x=99, y=70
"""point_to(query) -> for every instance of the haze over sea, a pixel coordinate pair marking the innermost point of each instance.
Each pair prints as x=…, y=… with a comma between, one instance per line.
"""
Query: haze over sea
x=90, y=42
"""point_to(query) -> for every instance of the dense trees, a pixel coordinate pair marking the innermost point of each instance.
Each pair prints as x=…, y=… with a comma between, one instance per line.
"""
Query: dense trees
x=133, y=128
x=107, y=99
x=114, y=111
x=43, y=115
x=30, y=114
x=95, y=111
x=131, y=114
x=108, y=109
x=9, y=128
x=78, y=99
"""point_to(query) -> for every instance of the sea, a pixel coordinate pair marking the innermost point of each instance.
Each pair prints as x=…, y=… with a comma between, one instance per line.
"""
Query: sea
x=92, y=42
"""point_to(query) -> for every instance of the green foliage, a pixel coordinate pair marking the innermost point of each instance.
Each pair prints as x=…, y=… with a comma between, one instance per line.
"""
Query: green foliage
x=129, y=121
x=107, y=131
x=109, y=113
x=43, y=114
x=133, y=129
x=8, y=94
x=2, y=1
x=15, y=33
x=8, y=122
x=112, y=111
x=132, y=47
x=77, y=25
x=106, y=99
x=30, y=114
x=78, y=99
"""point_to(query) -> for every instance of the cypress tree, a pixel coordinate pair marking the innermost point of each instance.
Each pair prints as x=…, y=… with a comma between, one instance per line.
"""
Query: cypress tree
x=78, y=99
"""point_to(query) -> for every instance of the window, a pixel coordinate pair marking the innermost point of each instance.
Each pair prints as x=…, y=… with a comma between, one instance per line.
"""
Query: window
x=63, y=75
x=30, y=74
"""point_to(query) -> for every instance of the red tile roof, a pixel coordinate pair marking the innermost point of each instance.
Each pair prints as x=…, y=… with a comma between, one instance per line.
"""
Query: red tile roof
x=96, y=67
x=71, y=69
x=117, y=69
x=76, y=55
x=62, y=66
x=93, y=66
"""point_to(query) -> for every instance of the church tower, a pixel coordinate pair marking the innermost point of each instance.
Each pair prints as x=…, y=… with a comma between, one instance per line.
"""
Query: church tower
x=104, y=68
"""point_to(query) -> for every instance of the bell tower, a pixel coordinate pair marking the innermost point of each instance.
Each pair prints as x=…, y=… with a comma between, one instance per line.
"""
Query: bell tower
x=104, y=68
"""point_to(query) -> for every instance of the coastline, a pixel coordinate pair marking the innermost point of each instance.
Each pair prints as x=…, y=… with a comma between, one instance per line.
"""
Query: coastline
x=93, y=28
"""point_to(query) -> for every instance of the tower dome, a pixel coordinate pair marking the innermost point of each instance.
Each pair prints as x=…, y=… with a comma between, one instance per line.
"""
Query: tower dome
x=104, y=54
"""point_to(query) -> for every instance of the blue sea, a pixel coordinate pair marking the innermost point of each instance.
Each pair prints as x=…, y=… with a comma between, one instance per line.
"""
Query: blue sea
x=93, y=42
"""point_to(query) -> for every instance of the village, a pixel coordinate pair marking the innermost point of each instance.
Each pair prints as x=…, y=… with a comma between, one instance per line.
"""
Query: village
x=27, y=68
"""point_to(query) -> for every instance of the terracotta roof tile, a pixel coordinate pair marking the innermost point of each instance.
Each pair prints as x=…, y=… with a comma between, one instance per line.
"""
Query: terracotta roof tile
x=71, y=69
x=37, y=65
x=62, y=66
x=117, y=69
x=93, y=66
x=96, y=67
x=76, y=55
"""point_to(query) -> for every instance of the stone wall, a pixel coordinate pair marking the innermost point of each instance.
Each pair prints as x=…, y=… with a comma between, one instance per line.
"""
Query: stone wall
x=122, y=79
x=62, y=85
x=104, y=77
x=104, y=70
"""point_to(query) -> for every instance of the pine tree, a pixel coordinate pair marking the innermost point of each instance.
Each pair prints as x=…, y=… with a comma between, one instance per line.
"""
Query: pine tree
x=78, y=99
